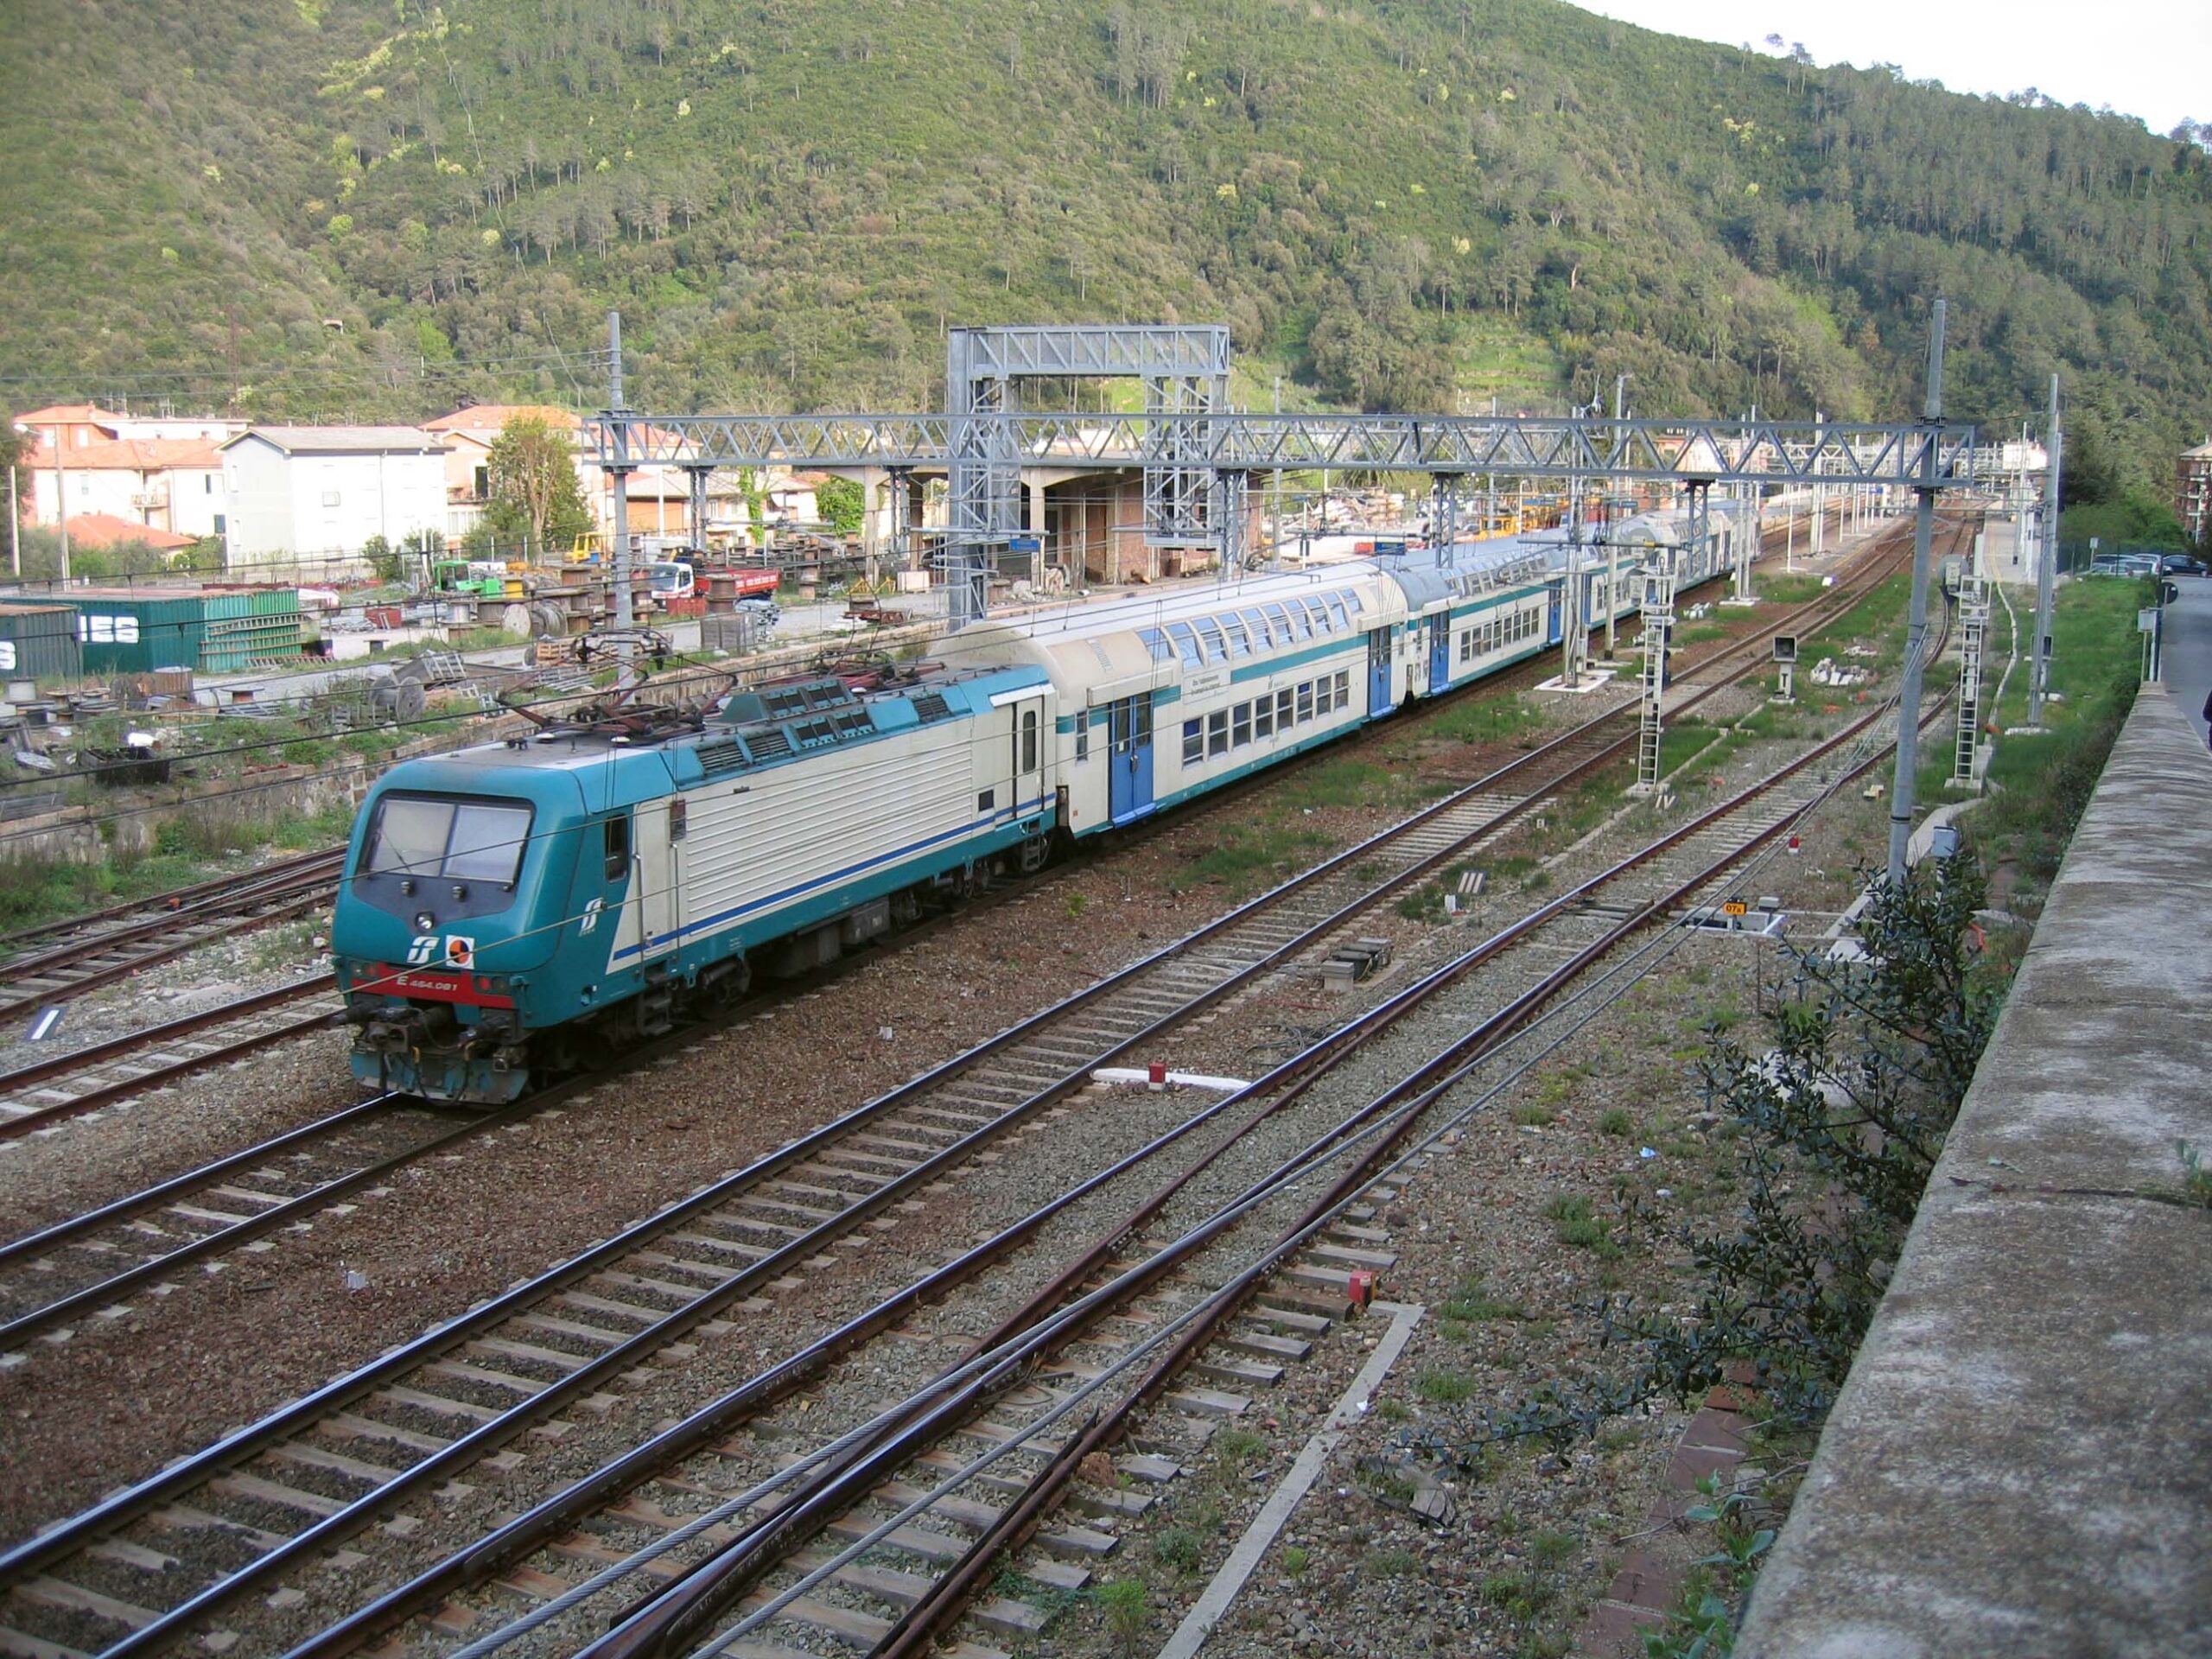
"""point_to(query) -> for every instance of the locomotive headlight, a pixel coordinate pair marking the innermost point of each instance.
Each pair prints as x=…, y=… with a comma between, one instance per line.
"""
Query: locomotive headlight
x=424, y=922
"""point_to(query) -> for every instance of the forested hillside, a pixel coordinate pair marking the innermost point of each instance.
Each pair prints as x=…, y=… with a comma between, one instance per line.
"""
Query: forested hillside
x=378, y=208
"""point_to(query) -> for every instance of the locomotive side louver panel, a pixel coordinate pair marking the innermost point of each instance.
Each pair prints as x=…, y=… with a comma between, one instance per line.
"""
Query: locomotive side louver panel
x=931, y=705
x=718, y=756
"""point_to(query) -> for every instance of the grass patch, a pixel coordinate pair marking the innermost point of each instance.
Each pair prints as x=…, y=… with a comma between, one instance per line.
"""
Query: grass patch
x=1787, y=588
x=1578, y=1228
x=1443, y=1388
x=1614, y=1120
x=2040, y=783
x=1485, y=720
x=1121, y=1602
x=1253, y=856
x=1239, y=1445
x=1179, y=1548
x=1476, y=1305
x=1392, y=1563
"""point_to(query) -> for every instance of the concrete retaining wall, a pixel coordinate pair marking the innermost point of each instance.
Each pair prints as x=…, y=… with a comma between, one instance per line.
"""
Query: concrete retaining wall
x=2021, y=1461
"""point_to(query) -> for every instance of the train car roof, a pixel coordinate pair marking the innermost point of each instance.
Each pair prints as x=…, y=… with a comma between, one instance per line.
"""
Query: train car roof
x=1098, y=652
x=1427, y=576
x=754, y=729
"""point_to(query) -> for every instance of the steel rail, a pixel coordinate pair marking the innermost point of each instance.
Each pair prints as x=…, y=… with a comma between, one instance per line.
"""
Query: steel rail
x=115, y=1048
x=225, y=1239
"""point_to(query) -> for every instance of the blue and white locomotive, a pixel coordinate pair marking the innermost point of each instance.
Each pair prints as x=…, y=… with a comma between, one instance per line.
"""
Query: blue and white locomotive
x=507, y=908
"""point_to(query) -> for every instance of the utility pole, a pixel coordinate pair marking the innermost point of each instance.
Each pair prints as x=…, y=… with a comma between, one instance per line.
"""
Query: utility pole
x=1916, y=638
x=2046, y=567
x=14, y=528
x=62, y=490
x=619, y=471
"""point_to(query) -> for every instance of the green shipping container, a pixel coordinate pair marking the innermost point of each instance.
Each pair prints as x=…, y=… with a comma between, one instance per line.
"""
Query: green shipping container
x=136, y=632
x=124, y=632
x=39, y=643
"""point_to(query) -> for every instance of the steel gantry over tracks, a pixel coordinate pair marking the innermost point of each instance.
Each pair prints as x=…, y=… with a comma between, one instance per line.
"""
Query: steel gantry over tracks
x=1197, y=454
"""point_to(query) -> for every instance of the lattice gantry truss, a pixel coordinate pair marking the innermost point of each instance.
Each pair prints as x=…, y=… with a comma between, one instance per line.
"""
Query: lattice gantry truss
x=1197, y=454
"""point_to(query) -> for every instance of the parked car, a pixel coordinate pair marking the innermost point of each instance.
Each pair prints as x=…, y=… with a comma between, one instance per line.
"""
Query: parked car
x=2181, y=564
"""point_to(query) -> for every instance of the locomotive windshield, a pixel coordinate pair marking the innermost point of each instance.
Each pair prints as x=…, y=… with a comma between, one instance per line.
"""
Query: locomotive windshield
x=435, y=835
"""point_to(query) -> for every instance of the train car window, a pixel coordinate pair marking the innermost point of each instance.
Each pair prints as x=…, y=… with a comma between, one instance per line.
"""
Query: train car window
x=1240, y=725
x=1217, y=732
x=1277, y=623
x=1350, y=596
x=618, y=848
x=1194, y=741
x=487, y=843
x=988, y=801
x=1210, y=636
x=1029, y=740
x=1263, y=717
x=1156, y=642
x=1301, y=623
x=679, y=818
x=410, y=836
x=1083, y=735
x=1232, y=629
x=1336, y=610
x=1283, y=716
x=1344, y=688
x=1256, y=625
x=1187, y=643
x=1305, y=702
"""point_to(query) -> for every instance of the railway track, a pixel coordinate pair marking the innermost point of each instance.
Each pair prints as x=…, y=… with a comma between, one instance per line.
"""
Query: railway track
x=90, y=1265
x=37, y=1096
x=284, y=1489
x=63, y=960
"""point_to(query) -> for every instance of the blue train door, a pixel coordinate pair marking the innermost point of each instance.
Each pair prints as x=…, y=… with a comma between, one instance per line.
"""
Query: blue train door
x=1553, y=618
x=1378, y=673
x=1439, y=652
x=1128, y=725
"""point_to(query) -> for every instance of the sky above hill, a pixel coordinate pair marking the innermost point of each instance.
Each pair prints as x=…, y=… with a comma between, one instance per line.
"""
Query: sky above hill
x=2145, y=58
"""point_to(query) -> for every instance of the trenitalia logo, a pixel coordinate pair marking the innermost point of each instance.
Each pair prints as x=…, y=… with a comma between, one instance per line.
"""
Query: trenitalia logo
x=420, y=952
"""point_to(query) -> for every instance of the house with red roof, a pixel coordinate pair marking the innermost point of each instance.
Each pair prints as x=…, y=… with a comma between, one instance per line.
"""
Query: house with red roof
x=160, y=472
x=105, y=529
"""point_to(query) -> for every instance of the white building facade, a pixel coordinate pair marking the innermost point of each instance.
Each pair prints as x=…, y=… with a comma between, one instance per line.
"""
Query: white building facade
x=311, y=494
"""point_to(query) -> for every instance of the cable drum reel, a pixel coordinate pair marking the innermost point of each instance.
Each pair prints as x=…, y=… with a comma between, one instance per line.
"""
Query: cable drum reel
x=397, y=700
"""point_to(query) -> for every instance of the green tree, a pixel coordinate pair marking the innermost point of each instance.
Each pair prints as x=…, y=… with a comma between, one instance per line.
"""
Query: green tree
x=840, y=502
x=535, y=496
